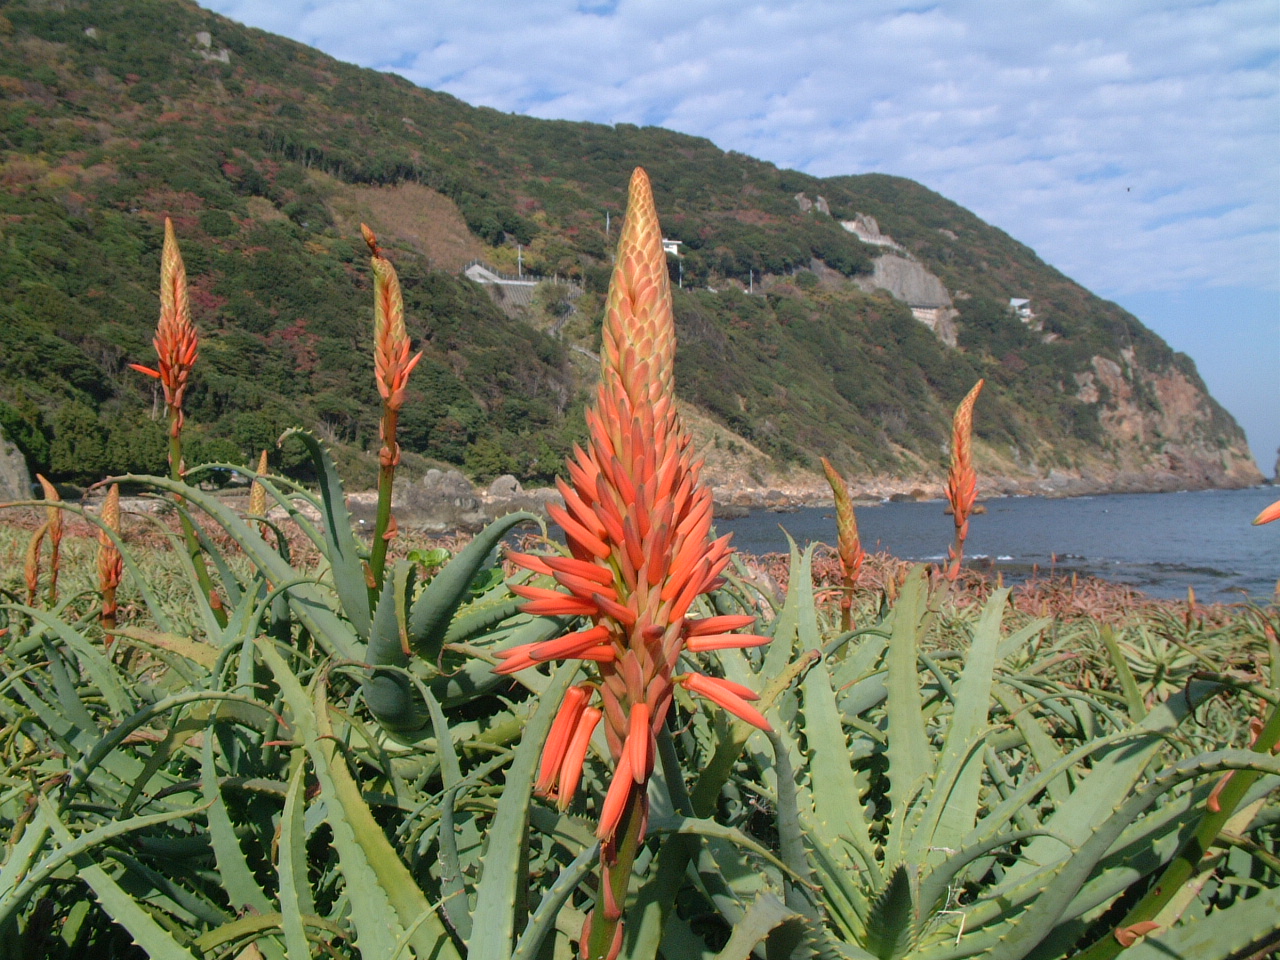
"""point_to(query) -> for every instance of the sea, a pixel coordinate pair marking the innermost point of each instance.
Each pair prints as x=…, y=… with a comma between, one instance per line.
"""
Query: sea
x=1160, y=543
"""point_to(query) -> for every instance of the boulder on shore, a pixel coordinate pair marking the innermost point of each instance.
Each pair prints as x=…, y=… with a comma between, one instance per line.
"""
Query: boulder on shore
x=15, y=478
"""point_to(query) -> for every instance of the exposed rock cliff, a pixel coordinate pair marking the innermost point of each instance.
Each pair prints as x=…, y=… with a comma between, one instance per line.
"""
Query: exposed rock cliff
x=924, y=293
x=1168, y=435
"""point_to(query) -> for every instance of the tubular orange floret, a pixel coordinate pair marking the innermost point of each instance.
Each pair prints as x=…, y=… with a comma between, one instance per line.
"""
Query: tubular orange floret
x=727, y=694
x=640, y=742
x=724, y=641
x=1270, y=513
x=575, y=755
x=616, y=798
x=570, y=645
x=720, y=624
x=562, y=730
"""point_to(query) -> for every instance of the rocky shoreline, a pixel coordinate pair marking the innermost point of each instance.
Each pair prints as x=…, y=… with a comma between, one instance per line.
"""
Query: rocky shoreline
x=445, y=501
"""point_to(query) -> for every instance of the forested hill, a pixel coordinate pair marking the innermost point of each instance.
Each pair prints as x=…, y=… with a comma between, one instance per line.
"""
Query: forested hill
x=795, y=316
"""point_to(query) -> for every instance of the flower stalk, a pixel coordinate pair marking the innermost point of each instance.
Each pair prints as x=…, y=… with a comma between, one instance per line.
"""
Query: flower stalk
x=962, y=480
x=849, y=544
x=391, y=366
x=637, y=523
x=177, y=347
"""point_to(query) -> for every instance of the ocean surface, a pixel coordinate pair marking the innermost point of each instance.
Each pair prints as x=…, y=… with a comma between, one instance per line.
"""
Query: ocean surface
x=1161, y=543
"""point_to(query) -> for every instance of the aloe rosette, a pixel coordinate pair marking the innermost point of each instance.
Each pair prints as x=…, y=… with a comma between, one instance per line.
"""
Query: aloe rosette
x=637, y=522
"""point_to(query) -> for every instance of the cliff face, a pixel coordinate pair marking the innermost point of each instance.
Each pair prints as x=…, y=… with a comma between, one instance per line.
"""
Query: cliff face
x=1168, y=436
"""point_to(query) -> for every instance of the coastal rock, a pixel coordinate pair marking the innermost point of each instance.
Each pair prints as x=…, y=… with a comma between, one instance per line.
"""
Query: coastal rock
x=15, y=478
x=445, y=501
x=504, y=488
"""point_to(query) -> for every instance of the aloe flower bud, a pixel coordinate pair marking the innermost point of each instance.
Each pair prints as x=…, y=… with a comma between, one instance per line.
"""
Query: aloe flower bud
x=962, y=481
x=849, y=544
x=53, y=527
x=175, y=341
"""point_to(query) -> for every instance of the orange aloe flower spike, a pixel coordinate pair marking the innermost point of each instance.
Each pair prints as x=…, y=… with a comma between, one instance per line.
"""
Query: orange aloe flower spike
x=962, y=481
x=637, y=523
x=175, y=341
x=257, y=492
x=849, y=544
x=31, y=568
x=54, y=527
x=110, y=563
x=391, y=368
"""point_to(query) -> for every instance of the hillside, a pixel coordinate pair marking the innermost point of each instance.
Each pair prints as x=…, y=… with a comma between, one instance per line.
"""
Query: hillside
x=268, y=154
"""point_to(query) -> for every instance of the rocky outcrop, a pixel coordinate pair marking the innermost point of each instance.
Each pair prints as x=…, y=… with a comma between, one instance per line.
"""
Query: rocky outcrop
x=445, y=501
x=817, y=203
x=865, y=228
x=923, y=292
x=1160, y=424
x=15, y=478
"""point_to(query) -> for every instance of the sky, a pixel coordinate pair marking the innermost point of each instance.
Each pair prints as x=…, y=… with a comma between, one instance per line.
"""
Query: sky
x=1134, y=144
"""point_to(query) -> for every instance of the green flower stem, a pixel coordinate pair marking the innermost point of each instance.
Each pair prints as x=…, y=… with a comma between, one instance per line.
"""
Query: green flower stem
x=617, y=876
x=1183, y=866
x=386, y=480
x=188, y=528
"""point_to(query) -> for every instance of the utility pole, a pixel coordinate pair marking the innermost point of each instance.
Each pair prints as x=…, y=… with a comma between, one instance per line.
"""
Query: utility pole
x=519, y=261
x=606, y=223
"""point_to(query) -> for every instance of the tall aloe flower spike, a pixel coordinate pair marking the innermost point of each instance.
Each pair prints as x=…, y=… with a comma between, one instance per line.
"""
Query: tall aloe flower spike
x=849, y=544
x=54, y=527
x=177, y=346
x=962, y=481
x=391, y=366
x=175, y=341
x=110, y=563
x=637, y=522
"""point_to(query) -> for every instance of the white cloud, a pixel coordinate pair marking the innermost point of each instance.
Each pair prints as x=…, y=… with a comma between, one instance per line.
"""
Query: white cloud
x=1136, y=146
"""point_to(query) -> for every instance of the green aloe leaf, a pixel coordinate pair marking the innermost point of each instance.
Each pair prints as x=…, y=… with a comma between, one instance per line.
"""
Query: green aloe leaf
x=891, y=917
x=955, y=811
x=503, y=881
x=433, y=611
x=234, y=873
x=343, y=552
x=1247, y=928
x=908, y=752
x=383, y=896
x=158, y=943
x=765, y=914
x=1116, y=771
x=295, y=889
x=311, y=603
